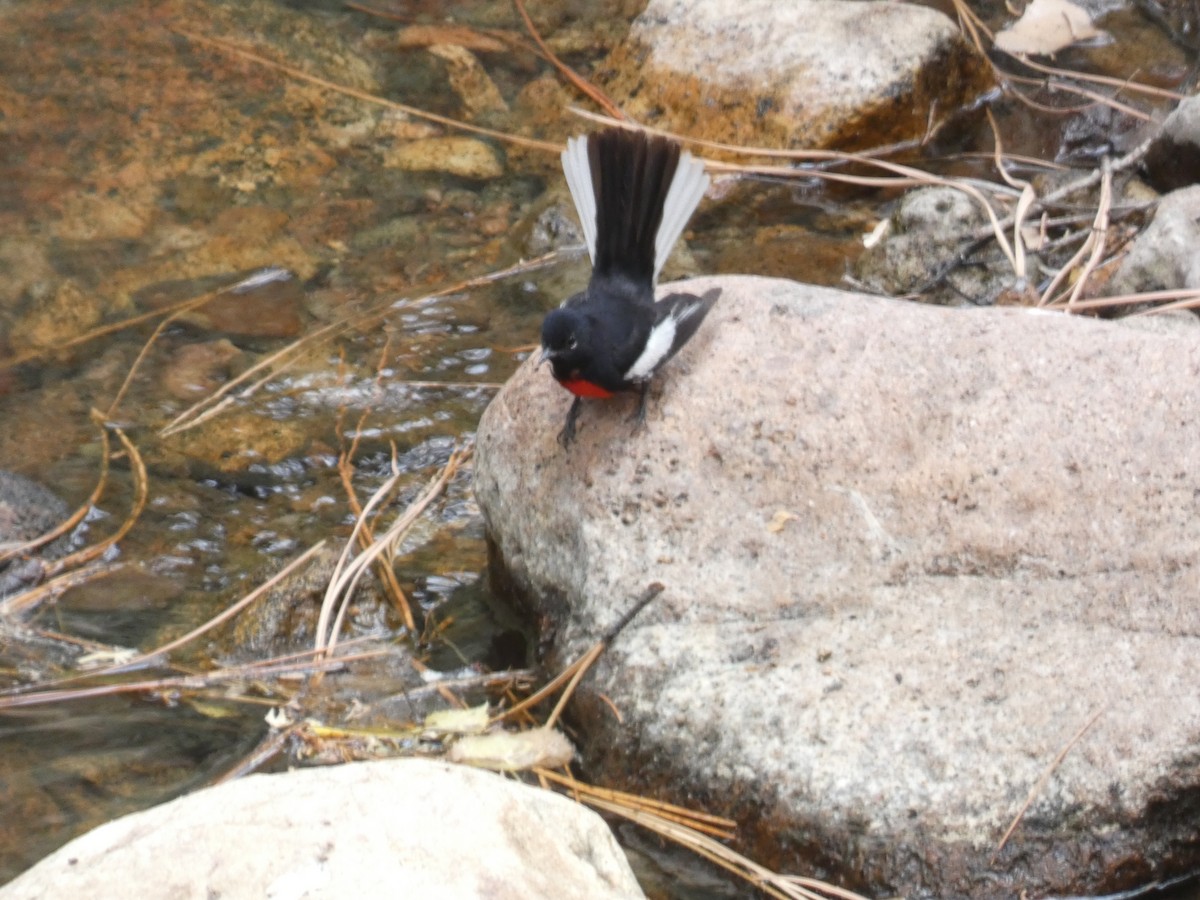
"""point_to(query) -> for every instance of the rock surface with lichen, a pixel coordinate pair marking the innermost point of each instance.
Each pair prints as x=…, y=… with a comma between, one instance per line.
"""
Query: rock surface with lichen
x=807, y=73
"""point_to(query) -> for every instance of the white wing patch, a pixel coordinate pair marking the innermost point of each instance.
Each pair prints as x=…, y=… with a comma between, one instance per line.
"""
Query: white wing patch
x=662, y=336
x=661, y=342
x=578, y=170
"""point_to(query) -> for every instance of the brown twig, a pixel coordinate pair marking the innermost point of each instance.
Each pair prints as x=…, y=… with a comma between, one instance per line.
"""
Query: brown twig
x=1098, y=237
x=225, y=615
x=258, y=670
x=1184, y=298
x=221, y=398
x=76, y=517
x=1093, y=245
x=366, y=536
x=597, y=95
x=141, y=483
x=22, y=603
x=300, y=74
x=1124, y=84
x=717, y=826
x=572, y=674
x=266, y=750
x=172, y=310
x=348, y=571
x=1041, y=782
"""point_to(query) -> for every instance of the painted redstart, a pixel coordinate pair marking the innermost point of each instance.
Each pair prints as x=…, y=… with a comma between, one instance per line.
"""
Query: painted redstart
x=634, y=194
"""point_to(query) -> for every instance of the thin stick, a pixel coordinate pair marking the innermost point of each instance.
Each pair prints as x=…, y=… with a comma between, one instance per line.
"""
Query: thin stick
x=192, y=415
x=603, y=644
x=1130, y=159
x=1041, y=782
x=1068, y=88
x=1122, y=83
x=364, y=95
x=567, y=72
x=267, y=748
x=174, y=309
x=713, y=823
x=776, y=885
x=18, y=604
x=349, y=571
x=383, y=568
x=1183, y=297
x=141, y=494
x=219, y=399
x=1099, y=232
x=1023, y=204
x=222, y=617
x=75, y=518
x=180, y=683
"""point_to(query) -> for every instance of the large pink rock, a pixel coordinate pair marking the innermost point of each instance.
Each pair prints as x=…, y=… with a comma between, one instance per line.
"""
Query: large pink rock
x=908, y=552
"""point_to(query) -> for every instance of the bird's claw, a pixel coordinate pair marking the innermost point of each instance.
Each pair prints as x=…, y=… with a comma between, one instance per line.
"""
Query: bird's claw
x=639, y=415
x=567, y=435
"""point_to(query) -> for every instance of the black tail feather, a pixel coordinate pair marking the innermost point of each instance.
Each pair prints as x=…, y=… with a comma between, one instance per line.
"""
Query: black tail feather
x=631, y=175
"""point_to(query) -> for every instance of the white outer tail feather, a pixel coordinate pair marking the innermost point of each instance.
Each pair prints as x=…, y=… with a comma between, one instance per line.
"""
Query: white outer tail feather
x=686, y=191
x=579, y=179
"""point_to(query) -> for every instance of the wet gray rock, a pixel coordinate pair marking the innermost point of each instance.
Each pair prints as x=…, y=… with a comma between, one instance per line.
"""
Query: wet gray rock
x=908, y=553
x=27, y=511
x=1173, y=159
x=396, y=828
x=926, y=233
x=1166, y=255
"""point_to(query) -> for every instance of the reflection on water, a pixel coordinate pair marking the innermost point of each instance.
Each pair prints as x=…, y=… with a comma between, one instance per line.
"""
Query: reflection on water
x=74, y=765
x=141, y=170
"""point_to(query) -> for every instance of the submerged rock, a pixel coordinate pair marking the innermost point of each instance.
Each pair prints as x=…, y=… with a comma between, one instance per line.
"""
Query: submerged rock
x=461, y=156
x=27, y=511
x=396, y=828
x=908, y=553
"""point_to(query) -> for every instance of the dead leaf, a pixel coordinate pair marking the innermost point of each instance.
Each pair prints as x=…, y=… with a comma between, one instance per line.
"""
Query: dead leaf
x=781, y=518
x=1046, y=27
x=458, y=721
x=513, y=751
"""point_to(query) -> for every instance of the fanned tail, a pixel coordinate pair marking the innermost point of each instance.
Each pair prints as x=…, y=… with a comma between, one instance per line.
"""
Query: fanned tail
x=634, y=195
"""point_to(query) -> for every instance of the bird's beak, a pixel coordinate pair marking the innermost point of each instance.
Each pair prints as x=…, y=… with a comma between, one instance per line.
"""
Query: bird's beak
x=546, y=354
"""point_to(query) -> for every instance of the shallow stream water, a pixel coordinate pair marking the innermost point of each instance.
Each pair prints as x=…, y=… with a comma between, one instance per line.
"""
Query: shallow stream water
x=140, y=167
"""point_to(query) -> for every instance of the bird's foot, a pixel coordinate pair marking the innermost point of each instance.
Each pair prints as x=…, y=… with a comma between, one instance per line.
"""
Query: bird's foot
x=639, y=415
x=567, y=435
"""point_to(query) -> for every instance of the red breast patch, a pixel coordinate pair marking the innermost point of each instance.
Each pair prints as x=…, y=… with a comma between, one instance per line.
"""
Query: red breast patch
x=581, y=388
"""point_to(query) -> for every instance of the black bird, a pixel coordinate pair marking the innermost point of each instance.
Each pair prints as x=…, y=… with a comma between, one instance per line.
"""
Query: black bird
x=634, y=194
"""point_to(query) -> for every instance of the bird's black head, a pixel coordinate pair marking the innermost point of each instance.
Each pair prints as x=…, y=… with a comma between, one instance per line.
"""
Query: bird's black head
x=565, y=339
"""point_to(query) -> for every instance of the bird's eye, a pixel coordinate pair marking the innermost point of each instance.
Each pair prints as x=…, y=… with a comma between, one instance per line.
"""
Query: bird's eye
x=571, y=344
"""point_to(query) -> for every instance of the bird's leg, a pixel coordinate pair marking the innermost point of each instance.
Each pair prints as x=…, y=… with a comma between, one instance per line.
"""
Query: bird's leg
x=568, y=430
x=639, y=415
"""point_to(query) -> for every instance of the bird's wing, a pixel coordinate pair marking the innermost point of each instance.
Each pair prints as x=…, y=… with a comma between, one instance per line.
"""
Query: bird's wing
x=677, y=316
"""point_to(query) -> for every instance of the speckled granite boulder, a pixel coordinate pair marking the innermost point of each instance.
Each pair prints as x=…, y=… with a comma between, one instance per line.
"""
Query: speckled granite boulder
x=908, y=552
